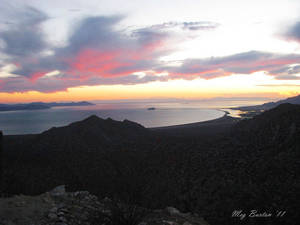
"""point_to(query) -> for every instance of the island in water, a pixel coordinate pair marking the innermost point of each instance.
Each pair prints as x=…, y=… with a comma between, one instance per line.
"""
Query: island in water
x=152, y=108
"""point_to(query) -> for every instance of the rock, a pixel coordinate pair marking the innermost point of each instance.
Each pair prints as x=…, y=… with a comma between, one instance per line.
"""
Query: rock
x=60, y=214
x=187, y=223
x=53, y=210
x=52, y=216
x=169, y=222
x=64, y=210
x=62, y=219
x=20, y=203
x=173, y=211
x=58, y=191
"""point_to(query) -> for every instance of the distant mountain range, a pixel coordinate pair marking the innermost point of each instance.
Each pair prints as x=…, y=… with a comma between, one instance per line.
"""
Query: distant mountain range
x=270, y=105
x=40, y=105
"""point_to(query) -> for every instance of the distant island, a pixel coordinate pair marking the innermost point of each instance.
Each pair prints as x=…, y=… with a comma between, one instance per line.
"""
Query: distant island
x=40, y=105
x=151, y=108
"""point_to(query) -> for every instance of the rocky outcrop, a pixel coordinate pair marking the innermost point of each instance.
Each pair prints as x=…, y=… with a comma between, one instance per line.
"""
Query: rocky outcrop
x=59, y=207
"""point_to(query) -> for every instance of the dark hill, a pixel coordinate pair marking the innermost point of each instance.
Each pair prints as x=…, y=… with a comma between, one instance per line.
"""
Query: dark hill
x=92, y=133
x=278, y=125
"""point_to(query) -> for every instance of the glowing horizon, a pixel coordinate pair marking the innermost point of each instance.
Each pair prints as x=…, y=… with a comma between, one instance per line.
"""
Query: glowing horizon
x=181, y=89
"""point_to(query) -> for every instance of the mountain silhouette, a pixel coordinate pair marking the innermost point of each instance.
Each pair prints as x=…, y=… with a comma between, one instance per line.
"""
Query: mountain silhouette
x=91, y=133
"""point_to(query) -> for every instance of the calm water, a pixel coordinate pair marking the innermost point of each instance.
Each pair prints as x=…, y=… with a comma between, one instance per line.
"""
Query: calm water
x=166, y=114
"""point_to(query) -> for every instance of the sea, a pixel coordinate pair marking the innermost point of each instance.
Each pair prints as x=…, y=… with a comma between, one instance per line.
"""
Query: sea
x=165, y=114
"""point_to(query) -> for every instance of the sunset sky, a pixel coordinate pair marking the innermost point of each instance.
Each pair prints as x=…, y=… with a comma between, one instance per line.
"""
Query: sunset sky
x=75, y=50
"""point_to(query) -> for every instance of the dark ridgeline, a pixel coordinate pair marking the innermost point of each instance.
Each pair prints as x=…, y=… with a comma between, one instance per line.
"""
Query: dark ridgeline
x=251, y=164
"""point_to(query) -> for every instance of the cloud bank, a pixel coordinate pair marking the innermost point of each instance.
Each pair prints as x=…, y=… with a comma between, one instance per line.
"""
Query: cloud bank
x=97, y=53
x=241, y=63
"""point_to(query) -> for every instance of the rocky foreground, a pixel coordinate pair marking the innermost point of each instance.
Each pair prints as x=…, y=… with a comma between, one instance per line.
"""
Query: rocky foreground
x=59, y=207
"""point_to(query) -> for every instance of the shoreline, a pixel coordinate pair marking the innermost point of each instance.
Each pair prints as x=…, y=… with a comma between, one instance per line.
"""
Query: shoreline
x=224, y=120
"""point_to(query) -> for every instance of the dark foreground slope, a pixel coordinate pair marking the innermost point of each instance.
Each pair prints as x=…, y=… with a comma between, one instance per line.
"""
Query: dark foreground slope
x=278, y=126
x=250, y=165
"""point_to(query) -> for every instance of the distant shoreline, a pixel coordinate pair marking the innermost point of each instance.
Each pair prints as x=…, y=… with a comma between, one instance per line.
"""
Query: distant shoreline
x=40, y=105
x=225, y=119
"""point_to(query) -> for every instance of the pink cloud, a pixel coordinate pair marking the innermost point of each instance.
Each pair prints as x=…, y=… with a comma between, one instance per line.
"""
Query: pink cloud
x=37, y=75
x=90, y=62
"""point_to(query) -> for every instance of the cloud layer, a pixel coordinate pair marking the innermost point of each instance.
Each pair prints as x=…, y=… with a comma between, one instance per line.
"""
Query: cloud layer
x=242, y=63
x=97, y=53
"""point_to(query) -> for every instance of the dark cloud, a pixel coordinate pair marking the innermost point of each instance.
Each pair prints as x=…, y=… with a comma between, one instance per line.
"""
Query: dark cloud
x=95, y=32
x=63, y=82
x=23, y=36
x=22, y=42
x=294, y=32
x=192, y=26
x=287, y=70
x=242, y=63
x=287, y=77
x=43, y=64
x=21, y=14
x=199, y=25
